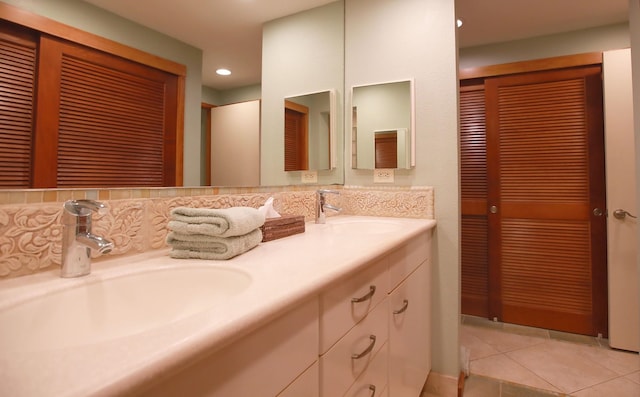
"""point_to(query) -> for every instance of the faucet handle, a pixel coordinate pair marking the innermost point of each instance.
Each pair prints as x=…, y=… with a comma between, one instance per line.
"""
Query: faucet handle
x=322, y=192
x=82, y=207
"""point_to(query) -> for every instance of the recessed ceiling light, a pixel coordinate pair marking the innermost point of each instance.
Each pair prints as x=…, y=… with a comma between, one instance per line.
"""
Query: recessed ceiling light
x=458, y=22
x=223, y=72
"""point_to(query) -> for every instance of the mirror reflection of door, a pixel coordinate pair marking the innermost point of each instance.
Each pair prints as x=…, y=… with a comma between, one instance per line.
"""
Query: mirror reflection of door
x=386, y=150
x=296, y=142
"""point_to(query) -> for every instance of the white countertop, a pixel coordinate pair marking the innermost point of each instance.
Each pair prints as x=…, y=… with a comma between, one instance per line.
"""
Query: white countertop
x=284, y=272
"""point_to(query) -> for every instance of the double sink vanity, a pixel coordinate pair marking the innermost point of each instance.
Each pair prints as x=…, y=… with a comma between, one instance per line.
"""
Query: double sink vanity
x=342, y=309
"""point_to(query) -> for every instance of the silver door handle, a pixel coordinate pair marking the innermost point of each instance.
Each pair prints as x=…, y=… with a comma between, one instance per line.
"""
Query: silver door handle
x=621, y=214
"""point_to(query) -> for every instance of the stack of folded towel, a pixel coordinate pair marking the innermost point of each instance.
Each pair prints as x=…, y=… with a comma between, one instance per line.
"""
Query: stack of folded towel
x=205, y=233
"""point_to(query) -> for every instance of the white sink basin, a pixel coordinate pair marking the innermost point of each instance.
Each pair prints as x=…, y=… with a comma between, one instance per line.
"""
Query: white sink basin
x=363, y=226
x=109, y=308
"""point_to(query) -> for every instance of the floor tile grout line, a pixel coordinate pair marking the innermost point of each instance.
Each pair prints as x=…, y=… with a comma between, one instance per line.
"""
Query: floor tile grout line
x=598, y=384
x=557, y=337
x=557, y=388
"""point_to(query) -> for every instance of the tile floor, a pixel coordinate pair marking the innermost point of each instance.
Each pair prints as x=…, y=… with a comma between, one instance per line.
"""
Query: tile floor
x=511, y=360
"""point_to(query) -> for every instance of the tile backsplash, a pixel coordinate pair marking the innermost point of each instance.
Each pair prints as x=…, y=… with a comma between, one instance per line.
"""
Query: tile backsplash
x=31, y=231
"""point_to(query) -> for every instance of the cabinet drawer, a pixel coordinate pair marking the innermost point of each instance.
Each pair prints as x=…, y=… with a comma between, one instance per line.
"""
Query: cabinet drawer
x=338, y=313
x=374, y=380
x=338, y=369
x=408, y=257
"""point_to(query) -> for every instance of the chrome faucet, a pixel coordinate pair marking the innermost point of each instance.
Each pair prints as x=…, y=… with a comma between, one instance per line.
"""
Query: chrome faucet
x=77, y=239
x=321, y=205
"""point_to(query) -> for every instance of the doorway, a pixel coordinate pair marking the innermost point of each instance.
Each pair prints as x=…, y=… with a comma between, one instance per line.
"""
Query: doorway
x=296, y=137
x=533, y=197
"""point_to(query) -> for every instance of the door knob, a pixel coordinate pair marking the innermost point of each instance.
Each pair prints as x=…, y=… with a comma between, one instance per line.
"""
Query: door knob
x=597, y=212
x=493, y=209
x=621, y=214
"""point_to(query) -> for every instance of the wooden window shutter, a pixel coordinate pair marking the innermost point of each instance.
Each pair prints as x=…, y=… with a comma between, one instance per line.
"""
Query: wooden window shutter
x=17, y=81
x=112, y=124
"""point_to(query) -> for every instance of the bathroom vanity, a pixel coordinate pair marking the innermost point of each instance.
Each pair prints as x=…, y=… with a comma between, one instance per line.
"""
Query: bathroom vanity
x=342, y=309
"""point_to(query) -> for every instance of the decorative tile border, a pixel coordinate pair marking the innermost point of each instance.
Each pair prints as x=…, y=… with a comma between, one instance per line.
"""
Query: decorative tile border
x=31, y=229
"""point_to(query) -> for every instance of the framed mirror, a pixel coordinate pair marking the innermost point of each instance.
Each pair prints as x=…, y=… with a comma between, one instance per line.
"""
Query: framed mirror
x=309, y=131
x=383, y=125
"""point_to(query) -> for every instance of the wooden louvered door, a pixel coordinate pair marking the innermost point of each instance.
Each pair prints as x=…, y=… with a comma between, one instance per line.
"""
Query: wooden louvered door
x=474, y=194
x=547, y=244
x=296, y=142
x=532, y=150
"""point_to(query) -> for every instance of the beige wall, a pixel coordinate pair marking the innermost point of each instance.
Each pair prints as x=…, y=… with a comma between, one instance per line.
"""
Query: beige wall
x=389, y=40
x=301, y=54
x=582, y=41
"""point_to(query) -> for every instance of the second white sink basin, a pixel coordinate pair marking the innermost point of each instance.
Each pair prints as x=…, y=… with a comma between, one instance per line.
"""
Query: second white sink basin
x=109, y=308
x=363, y=226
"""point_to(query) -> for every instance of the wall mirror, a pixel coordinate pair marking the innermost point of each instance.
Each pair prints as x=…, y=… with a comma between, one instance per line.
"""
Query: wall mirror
x=382, y=122
x=309, y=131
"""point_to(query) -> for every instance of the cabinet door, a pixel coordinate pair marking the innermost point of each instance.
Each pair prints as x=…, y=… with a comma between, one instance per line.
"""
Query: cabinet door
x=306, y=384
x=260, y=364
x=410, y=334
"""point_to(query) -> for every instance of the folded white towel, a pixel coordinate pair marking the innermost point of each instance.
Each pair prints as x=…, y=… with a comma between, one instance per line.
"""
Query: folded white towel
x=226, y=222
x=199, y=246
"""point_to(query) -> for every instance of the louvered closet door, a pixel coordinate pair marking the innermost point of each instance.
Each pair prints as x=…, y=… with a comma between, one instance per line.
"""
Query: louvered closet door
x=473, y=158
x=546, y=172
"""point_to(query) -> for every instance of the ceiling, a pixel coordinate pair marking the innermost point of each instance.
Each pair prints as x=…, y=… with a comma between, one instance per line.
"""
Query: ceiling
x=229, y=31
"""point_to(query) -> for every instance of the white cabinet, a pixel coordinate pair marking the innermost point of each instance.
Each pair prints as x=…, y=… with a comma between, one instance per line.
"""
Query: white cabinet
x=352, y=355
x=394, y=320
x=409, y=334
x=373, y=381
x=409, y=317
x=345, y=304
x=262, y=363
x=353, y=328
x=305, y=385
x=365, y=335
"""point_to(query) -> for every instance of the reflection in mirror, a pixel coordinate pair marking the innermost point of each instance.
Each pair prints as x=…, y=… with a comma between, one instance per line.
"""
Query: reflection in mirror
x=392, y=148
x=235, y=135
x=309, y=131
x=383, y=134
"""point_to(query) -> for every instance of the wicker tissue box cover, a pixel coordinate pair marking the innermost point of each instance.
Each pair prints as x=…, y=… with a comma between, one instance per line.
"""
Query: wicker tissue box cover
x=285, y=225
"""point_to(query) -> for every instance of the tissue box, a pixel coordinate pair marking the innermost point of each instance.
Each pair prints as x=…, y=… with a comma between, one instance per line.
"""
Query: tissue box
x=286, y=225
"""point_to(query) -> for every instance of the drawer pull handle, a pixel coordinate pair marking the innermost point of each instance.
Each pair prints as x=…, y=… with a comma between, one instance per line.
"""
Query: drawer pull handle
x=357, y=356
x=405, y=305
x=372, y=290
x=373, y=390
